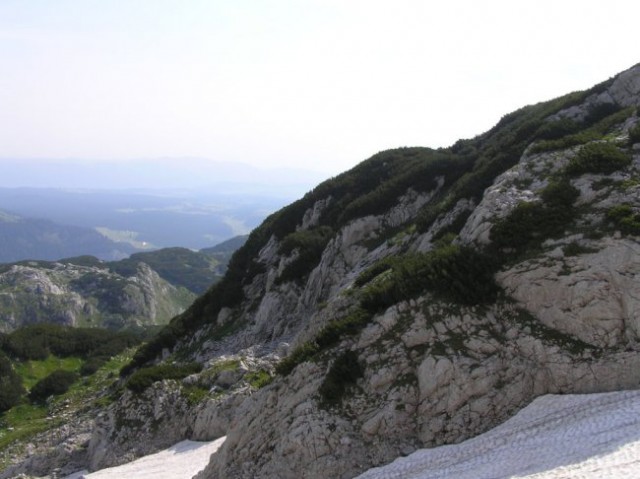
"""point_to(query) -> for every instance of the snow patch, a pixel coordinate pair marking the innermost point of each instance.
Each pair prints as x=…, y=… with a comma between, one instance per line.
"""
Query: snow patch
x=181, y=461
x=595, y=436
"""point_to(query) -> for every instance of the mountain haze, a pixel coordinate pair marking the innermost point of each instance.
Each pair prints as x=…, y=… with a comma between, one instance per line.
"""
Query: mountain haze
x=31, y=238
x=419, y=299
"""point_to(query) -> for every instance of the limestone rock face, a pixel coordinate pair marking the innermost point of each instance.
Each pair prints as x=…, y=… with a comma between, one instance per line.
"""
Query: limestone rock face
x=594, y=297
x=432, y=377
x=89, y=296
x=140, y=417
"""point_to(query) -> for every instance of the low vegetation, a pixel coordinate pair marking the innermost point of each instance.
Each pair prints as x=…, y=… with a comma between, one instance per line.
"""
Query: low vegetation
x=454, y=273
x=26, y=419
x=634, y=134
x=11, y=388
x=598, y=157
x=44, y=360
x=530, y=223
x=625, y=219
x=343, y=373
x=143, y=378
x=55, y=384
x=594, y=129
x=309, y=245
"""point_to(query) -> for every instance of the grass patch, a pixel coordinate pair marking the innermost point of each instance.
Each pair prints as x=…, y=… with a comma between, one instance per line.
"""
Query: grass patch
x=258, y=379
x=194, y=394
x=21, y=423
x=143, y=378
x=33, y=371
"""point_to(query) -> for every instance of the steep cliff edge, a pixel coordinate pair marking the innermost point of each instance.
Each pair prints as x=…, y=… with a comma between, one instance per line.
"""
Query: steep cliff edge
x=419, y=299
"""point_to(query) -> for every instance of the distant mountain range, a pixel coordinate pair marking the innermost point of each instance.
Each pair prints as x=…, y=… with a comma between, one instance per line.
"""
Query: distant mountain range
x=132, y=220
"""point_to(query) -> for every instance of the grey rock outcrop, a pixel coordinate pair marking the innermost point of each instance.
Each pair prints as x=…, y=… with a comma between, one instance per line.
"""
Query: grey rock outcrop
x=75, y=295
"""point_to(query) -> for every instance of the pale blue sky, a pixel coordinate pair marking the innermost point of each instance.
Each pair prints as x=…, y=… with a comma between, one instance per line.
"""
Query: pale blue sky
x=318, y=84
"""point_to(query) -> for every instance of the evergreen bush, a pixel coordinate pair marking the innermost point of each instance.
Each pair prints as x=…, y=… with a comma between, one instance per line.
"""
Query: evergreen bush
x=55, y=384
x=597, y=157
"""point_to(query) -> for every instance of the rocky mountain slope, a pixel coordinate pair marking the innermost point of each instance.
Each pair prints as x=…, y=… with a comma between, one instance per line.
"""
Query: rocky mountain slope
x=419, y=299
x=85, y=292
x=145, y=289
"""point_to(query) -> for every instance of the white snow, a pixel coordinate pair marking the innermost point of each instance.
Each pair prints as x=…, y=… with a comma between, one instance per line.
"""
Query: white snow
x=595, y=436
x=181, y=461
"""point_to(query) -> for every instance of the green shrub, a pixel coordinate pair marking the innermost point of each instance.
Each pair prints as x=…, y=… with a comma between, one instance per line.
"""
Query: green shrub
x=625, y=219
x=552, y=130
x=375, y=270
x=38, y=341
x=336, y=330
x=344, y=372
x=92, y=365
x=528, y=225
x=11, y=389
x=299, y=355
x=559, y=194
x=55, y=384
x=575, y=249
x=600, y=157
x=634, y=134
x=591, y=133
x=459, y=274
x=194, y=394
x=310, y=244
x=143, y=378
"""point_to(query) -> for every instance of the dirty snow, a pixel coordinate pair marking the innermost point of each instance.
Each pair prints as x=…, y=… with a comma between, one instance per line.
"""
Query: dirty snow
x=181, y=461
x=594, y=436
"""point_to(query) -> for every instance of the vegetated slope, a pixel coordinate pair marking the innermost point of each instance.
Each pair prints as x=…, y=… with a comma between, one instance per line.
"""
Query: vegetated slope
x=419, y=299
x=193, y=270
x=28, y=238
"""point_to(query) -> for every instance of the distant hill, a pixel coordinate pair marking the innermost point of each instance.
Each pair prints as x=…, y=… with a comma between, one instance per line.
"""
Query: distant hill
x=142, y=290
x=194, y=270
x=86, y=292
x=26, y=238
x=226, y=247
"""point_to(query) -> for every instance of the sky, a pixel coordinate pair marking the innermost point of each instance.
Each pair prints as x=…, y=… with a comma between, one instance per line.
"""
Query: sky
x=313, y=84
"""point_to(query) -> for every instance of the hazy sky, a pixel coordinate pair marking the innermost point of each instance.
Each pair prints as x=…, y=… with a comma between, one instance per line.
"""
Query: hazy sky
x=319, y=84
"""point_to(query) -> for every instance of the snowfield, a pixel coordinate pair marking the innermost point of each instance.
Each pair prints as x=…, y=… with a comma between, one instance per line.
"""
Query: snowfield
x=594, y=436
x=181, y=461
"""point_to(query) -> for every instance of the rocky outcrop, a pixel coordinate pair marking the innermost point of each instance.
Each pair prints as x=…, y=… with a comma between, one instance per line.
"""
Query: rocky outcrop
x=593, y=296
x=432, y=376
x=76, y=295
